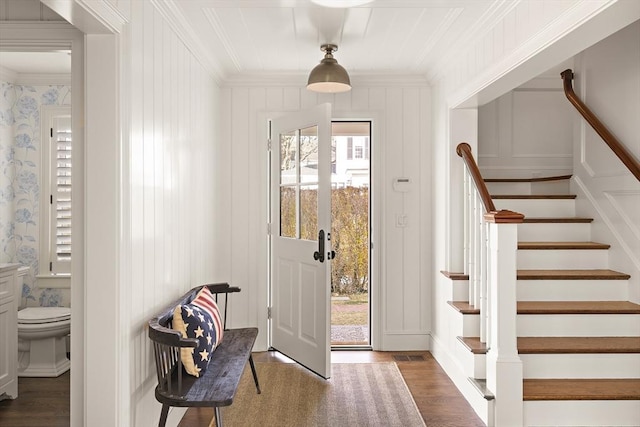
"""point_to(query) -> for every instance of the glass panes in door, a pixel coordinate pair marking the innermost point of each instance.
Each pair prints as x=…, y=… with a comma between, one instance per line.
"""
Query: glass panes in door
x=299, y=184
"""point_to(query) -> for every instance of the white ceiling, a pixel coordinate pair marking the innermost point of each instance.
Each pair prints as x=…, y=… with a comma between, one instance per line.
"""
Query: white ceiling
x=383, y=37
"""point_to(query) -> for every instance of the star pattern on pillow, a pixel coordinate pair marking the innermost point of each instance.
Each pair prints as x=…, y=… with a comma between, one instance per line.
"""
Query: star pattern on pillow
x=194, y=322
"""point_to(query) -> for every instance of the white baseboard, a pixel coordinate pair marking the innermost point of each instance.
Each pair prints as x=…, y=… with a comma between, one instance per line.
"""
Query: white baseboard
x=175, y=416
x=404, y=342
x=449, y=363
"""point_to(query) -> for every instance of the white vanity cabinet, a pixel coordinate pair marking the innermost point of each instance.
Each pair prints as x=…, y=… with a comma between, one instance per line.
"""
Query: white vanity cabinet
x=8, y=331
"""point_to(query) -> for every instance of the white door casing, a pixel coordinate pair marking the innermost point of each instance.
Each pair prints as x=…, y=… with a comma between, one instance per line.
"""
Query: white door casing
x=300, y=237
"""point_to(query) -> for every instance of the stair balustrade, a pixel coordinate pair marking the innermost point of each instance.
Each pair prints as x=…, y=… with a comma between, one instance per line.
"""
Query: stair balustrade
x=491, y=241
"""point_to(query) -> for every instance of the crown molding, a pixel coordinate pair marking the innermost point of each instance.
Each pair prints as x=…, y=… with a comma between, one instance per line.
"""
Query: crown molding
x=582, y=25
x=178, y=23
x=494, y=14
x=90, y=16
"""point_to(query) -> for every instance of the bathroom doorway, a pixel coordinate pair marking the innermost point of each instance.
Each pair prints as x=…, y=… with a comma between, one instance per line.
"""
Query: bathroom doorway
x=32, y=79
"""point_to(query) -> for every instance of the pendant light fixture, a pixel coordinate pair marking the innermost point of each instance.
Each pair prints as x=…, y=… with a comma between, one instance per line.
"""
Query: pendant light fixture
x=329, y=76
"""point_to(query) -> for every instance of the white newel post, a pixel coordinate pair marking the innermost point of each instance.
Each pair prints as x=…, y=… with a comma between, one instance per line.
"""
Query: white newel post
x=504, y=367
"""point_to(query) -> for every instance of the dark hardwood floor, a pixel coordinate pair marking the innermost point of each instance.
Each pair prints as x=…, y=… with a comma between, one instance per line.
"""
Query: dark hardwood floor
x=40, y=402
x=45, y=401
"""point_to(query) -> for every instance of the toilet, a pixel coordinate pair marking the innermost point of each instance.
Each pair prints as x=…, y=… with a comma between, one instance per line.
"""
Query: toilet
x=42, y=332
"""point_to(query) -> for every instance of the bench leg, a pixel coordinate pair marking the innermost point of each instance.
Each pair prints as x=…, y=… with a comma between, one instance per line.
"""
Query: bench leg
x=163, y=416
x=255, y=375
x=218, y=416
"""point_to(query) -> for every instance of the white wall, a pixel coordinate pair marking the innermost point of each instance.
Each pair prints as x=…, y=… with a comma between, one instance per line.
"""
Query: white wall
x=170, y=156
x=151, y=128
x=607, y=79
x=527, y=133
x=400, y=148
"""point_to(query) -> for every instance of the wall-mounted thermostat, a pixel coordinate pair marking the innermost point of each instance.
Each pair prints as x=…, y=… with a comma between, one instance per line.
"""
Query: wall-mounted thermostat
x=401, y=185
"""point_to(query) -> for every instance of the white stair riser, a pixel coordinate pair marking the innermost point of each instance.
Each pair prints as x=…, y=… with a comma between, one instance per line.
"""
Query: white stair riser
x=578, y=325
x=460, y=290
x=610, y=365
x=598, y=413
x=554, y=232
x=572, y=290
x=567, y=259
x=550, y=187
x=515, y=188
x=538, y=207
x=465, y=325
x=474, y=365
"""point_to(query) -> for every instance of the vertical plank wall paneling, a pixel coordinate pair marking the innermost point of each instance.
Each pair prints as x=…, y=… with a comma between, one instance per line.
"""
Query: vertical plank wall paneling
x=172, y=149
x=403, y=148
x=394, y=274
x=527, y=133
x=607, y=78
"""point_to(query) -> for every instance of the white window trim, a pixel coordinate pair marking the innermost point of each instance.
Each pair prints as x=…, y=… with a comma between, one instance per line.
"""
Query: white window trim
x=47, y=243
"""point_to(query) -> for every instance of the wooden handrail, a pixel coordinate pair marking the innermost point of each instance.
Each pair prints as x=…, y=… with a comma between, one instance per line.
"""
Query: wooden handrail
x=623, y=154
x=491, y=213
x=464, y=150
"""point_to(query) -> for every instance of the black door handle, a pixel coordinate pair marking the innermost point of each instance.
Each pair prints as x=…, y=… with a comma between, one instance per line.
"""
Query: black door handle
x=319, y=254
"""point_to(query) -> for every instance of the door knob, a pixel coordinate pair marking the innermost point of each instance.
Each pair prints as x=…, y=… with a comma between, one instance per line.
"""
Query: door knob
x=319, y=254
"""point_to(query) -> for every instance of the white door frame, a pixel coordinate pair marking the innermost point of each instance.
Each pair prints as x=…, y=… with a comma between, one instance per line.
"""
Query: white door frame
x=99, y=264
x=40, y=37
x=376, y=211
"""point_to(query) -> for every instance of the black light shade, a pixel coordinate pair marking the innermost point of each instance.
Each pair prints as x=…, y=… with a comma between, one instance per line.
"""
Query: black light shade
x=329, y=76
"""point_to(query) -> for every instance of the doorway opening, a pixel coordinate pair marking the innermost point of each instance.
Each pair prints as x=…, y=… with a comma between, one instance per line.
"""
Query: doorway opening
x=350, y=238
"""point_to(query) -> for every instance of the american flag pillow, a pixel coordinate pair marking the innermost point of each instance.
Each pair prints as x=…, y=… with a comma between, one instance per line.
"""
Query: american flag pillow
x=207, y=302
x=194, y=322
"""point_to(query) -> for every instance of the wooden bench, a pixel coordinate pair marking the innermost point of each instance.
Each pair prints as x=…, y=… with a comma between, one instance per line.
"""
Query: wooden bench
x=217, y=386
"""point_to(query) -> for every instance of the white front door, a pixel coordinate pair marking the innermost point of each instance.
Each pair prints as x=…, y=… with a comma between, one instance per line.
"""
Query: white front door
x=300, y=237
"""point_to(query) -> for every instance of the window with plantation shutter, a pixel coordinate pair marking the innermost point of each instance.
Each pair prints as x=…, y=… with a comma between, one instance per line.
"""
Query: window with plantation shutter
x=57, y=185
x=61, y=198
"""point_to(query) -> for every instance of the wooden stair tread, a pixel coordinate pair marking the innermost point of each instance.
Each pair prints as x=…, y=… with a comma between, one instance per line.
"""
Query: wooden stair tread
x=464, y=307
x=563, y=345
x=595, y=274
x=581, y=389
x=537, y=179
x=481, y=386
x=578, y=307
x=557, y=220
x=562, y=245
x=535, y=196
x=473, y=344
x=454, y=276
x=560, y=307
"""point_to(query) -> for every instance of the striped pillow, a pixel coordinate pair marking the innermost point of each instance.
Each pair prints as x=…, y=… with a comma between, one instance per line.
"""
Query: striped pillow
x=207, y=302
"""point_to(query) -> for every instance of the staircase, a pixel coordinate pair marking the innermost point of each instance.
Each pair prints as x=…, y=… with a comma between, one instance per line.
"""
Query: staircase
x=578, y=335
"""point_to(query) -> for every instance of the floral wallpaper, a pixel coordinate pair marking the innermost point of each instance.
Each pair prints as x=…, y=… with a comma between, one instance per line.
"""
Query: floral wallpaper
x=20, y=107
